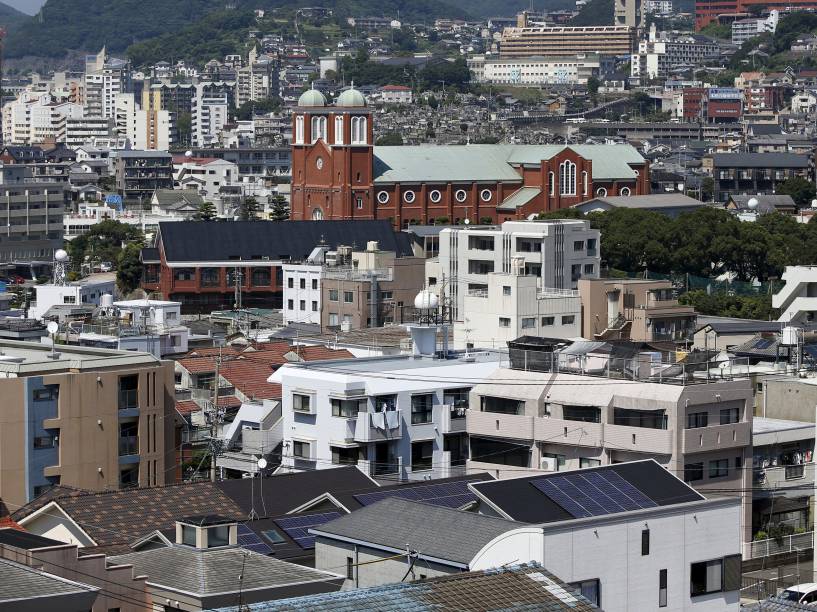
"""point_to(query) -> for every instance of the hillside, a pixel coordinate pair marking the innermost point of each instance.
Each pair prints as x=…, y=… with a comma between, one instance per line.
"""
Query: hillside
x=595, y=13
x=483, y=9
x=11, y=18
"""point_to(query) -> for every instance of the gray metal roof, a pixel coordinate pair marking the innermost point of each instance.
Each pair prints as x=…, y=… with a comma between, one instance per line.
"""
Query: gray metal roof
x=651, y=201
x=433, y=531
x=22, y=582
x=519, y=198
x=216, y=571
x=760, y=160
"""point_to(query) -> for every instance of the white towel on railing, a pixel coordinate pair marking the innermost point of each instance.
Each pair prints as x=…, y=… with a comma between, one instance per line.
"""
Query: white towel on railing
x=392, y=421
x=378, y=420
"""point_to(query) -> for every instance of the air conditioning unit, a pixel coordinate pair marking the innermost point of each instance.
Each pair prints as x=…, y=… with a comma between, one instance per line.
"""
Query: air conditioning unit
x=549, y=464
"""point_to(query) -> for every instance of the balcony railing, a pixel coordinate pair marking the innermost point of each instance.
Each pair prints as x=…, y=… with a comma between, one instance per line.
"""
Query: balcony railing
x=128, y=445
x=128, y=399
x=775, y=546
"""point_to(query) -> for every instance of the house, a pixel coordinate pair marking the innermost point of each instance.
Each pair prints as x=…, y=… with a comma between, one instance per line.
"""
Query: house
x=184, y=203
x=87, y=291
x=214, y=179
x=631, y=536
x=724, y=333
x=52, y=592
x=669, y=204
x=763, y=204
x=753, y=173
x=196, y=263
x=512, y=588
x=396, y=94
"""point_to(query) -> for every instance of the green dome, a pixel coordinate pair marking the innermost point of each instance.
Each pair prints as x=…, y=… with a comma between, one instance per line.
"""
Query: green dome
x=312, y=97
x=351, y=98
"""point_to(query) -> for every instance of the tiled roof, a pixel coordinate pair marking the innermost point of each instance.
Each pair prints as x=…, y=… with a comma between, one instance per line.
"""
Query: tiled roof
x=250, y=378
x=519, y=588
x=21, y=582
x=186, y=407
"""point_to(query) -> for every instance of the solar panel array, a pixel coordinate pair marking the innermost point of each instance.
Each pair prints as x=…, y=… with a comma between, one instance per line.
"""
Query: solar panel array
x=297, y=527
x=593, y=493
x=447, y=494
x=248, y=539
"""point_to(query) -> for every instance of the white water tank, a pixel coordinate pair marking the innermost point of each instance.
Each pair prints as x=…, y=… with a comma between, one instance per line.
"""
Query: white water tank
x=426, y=300
x=788, y=337
x=106, y=301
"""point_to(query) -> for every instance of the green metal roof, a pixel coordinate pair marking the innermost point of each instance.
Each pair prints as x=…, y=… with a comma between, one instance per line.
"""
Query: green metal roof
x=492, y=163
x=519, y=198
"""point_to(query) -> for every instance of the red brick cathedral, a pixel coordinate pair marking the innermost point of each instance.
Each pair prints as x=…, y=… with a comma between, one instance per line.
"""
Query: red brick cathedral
x=337, y=173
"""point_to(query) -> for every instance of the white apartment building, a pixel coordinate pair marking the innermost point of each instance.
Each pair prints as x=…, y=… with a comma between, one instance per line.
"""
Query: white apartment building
x=105, y=77
x=658, y=7
x=84, y=130
x=514, y=305
x=144, y=129
x=34, y=118
x=797, y=299
x=557, y=253
x=535, y=71
x=744, y=29
x=302, y=287
x=210, y=114
x=88, y=291
x=213, y=179
x=661, y=53
x=397, y=417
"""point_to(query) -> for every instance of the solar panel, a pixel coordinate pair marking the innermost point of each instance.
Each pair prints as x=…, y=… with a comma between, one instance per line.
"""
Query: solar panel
x=248, y=539
x=297, y=527
x=584, y=494
x=763, y=343
x=447, y=494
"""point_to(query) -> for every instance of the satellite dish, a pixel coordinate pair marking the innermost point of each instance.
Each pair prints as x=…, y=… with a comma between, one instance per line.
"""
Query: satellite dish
x=467, y=221
x=262, y=463
x=53, y=327
x=188, y=154
x=61, y=255
x=752, y=203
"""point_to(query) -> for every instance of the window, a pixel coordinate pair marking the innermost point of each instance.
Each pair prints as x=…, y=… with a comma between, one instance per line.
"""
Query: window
x=300, y=449
x=314, y=306
x=359, y=129
x=318, y=128
x=188, y=535
x=587, y=462
x=302, y=305
x=333, y=295
x=586, y=414
x=359, y=203
x=730, y=415
x=589, y=268
x=435, y=196
x=383, y=197
x=480, y=266
x=421, y=455
x=302, y=283
x=290, y=304
x=551, y=184
x=421, y=408
x=183, y=274
x=651, y=419
x=697, y=419
x=299, y=129
x=314, y=283
x=218, y=536
x=591, y=589
x=485, y=195
x=350, y=568
x=501, y=405
x=460, y=195
x=706, y=577
x=348, y=407
x=528, y=322
x=584, y=182
x=409, y=197
x=719, y=468
x=333, y=319
x=47, y=394
x=578, y=245
x=601, y=192
x=301, y=403
x=504, y=322
x=567, y=178
x=693, y=472
x=506, y=290
x=481, y=243
x=339, y=129
x=44, y=442
x=261, y=277
x=662, y=588
x=345, y=456
x=382, y=403
x=645, y=542
x=625, y=191
x=568, y=319
x=273, y=536
x=209, y=277
x=546, y=321
x=348, y=297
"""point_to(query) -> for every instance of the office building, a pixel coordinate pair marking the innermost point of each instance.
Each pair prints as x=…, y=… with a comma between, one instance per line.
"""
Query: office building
x=616, y=40
x=534, y=71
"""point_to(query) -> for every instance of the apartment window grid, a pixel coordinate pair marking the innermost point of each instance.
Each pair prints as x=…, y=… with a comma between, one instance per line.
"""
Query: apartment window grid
x=421, y=408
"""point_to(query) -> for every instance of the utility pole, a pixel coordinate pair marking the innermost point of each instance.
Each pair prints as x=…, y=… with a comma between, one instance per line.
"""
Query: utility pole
x=215, y=420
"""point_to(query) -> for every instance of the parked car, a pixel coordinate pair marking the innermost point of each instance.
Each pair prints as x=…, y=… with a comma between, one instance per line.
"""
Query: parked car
x=805, y=593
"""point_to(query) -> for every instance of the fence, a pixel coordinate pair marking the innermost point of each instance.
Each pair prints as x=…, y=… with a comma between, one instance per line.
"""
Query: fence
x=759, y=589
x=776, y=546
x=690, y=282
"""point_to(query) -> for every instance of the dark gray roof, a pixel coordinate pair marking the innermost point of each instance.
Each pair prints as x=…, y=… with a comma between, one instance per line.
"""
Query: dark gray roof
x=522, y=501
x=169, y=197
x=234, y=240
x=22, y=582
x=216, y=571
x=647, y=202
x=766, y=203
x=775, y=604
x=433, y=531
x=528, y=588
x=25, y=540
x=737, y=326
x=760, y=160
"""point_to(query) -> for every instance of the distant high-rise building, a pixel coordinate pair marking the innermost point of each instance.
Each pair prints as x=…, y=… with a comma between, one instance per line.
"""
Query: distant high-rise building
x=104, y=78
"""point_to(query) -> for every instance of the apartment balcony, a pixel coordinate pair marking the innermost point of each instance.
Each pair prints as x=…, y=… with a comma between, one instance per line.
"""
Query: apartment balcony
x=128, y=401
x=498, y=425
x=450, y=419
x=785, y=480
x=378, y=426
x=718, y=437
x=574, y=433
x=639, y=439
x=128, y=449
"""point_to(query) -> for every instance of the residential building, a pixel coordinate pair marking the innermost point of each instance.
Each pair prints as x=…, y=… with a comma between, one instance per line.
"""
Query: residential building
x=513, y=304
x=417, y=184
x=87, y=291
x=755, y=173
x=252, y=163
x=673, y=548
x=659, y=56
x=709, y=104
x=669, y=204
x=725, y=333
x=367, y=288
x=495, y=590
x=145, y=129
x=21, y=582
x=763, y=98
x=55, y=435
x=557, y=253
x=81, y=131
x=535, y=71
x=707, y=11
x=548, y=413
x=396, y=94
x=630, y=13
x=797, y=299
x=35, y=118
x=341, y=412
x=303, y=284
x=215, y=180
x=209, y=116
x=744, y=29
x=195, y=263
x=763, y=204
x=105, y=77
x=32, y=214
x=617, y=40
x=658, y=7
x=140, y=173
x=632, y=309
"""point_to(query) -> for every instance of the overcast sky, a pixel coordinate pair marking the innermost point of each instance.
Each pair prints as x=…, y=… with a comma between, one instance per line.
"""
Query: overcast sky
x=27, y=6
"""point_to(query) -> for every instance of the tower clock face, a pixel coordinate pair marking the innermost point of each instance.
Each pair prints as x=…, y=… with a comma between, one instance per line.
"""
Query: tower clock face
x=319, y=163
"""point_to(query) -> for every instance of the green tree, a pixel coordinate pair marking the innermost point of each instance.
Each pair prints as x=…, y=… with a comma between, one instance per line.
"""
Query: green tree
x=129, y=268
x=279, y=209
x=207, y=212
x=707, y=189
x=392, y=139
x=593, y=89
x=801, y=190
x=184, y=126
x=248, y=210
x=248, y=110
x=103, y=242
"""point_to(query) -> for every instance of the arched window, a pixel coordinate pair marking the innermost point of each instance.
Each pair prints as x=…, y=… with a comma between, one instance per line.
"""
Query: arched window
x=359, y=131
x=317, y=214
x=551, y=184
x=601, y=192
x=584, y=182
x=299, y=129
x=435, y=196
x=625, y=191
x=567, y=178
x=339, y=129
x=318, y=128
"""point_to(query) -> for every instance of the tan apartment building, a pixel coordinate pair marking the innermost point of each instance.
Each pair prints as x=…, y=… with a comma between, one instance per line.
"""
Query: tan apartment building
x=583, y=408
x=88, y=418
x=633, y=309
x=371, y=290
x=566, y=41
